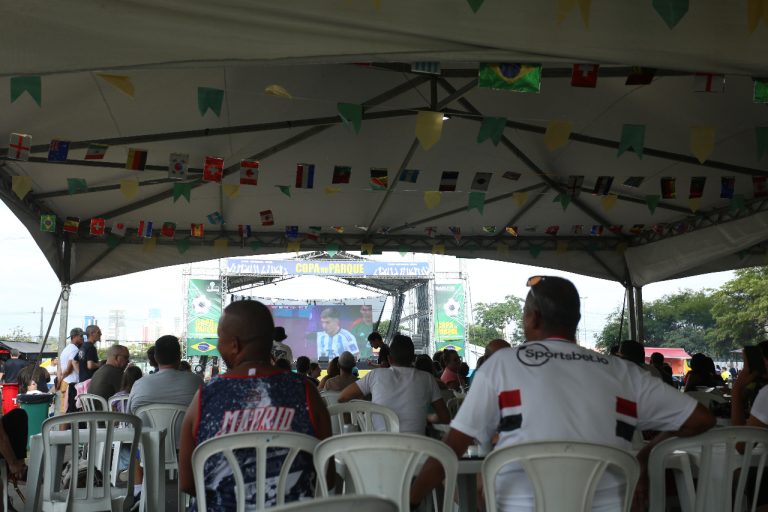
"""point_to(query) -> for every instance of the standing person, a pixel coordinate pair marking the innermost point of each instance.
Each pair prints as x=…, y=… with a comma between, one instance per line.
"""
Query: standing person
x=12, y=368
x=377, y=343
x=108, y=379
x=549, y=388
x=87, y=356
x=333, y=340
x=281, y=350
x=68, y=366
x=254, y=396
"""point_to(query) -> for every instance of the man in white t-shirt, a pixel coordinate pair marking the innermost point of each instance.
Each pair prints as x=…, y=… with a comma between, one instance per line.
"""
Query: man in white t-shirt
x=401, y=387
x=550, y=389
x=67, y=365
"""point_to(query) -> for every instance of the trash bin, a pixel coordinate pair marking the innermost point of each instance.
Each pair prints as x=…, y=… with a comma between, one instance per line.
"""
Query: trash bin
x=36, y=406
x=10, y=390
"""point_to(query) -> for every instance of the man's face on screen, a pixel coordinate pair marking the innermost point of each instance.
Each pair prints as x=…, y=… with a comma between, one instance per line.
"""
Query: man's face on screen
x=330, y=325
x=367, y=313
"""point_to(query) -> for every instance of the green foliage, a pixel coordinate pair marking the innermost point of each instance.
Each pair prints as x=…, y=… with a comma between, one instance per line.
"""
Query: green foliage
x=17, y=334
x=383, y=327
x=741, y=310
x=498, y=317
x=480, y=335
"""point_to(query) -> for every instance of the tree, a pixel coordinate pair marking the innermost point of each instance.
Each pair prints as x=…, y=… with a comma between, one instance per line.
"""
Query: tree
x=497, y=317
x=740, y=310
x=17, y=334
x=480, y=335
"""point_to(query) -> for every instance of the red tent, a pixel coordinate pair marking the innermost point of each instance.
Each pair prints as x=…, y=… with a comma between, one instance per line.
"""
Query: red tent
x=675, y=357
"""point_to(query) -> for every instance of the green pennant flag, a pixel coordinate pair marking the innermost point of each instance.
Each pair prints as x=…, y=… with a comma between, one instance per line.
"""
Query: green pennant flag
x=332, y=250
x=113, y=240
x=285, y=189
x=760, y=94
x=476, y=201
x=255, y=246
x=671, y=11
x=564, y=200
x=471, y=246
x=182, y=189
x=209, y=98
x=404, y=249
x=737, y=203
x=592, y=246
x=475, y=4
x=182, y=245
x=761, y=132
x=492, y=128
x=31, y=84
x=632, y=137
x=534, y=250
x=652, y=201
x=76, y=186
x=351, y=114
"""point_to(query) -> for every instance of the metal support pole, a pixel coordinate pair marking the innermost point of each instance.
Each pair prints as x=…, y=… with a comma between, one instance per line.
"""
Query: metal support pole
x=632, y=313
x=63, y=317
x=639, y=314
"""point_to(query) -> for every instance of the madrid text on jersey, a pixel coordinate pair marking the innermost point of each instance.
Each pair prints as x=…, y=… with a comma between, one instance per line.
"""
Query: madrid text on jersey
x=258, y=418
x=536, y=354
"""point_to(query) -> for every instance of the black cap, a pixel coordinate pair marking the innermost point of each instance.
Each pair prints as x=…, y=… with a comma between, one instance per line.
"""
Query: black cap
x=280, y=334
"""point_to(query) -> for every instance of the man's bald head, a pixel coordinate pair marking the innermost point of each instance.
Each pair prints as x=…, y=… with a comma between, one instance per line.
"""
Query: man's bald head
x=249, y=321
x=495, y=345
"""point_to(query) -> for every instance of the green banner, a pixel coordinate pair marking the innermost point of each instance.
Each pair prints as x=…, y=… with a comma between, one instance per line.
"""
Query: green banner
x=449, y=316
x=203, y=312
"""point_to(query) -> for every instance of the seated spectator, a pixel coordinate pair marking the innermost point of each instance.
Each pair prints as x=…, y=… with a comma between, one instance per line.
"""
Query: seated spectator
x=283, y=364
x=254, y=396
x=151, y=361
x=184, y=366
x=129, y=378
x=13, y=446
x=303, y=368
x=634, y=352
x=345, y=377
x=33, y=375
x=702, y=373
x=314, y=372
x=450, y=375
x=494, y=345
x=332, y=371
x=107, y=380
x=424, y=363
x=657, y=361
x=401, y=387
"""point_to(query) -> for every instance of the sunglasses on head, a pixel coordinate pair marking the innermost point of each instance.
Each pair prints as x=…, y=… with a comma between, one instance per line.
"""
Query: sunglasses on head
x=532, y=282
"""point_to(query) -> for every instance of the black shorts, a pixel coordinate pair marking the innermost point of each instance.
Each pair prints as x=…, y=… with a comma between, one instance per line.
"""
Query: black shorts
x=71, y=396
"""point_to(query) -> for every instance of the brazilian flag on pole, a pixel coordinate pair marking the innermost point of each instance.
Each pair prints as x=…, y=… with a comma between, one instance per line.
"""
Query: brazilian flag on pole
x=510, y=77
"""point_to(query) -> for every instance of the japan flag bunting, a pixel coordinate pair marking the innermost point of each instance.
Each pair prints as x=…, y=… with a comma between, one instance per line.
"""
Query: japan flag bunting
x=305, y=175
x=249, y=172
x=178, y=165
x=481, y=181
x=118, y=228
x=584, y=75
x=266, y=218
x=213, y=169
x=19, y=146
x=98, y=225
x=145, y=229
x=626, y=418
x=511, y=408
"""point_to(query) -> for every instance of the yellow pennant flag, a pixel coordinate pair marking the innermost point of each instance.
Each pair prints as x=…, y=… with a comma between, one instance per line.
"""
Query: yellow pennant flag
x=149, y=245
x=756, y=10
x=221, y=247
x=119, y=82
x=294, y=246
x=702, y=142
x=231, y=190
x=520, y=198
x=366, y=248
x=332, y=190
x=562, y=247
x=609, y=201
x=694, y=204
x=438, y=249
x=564, y=8
x=429, y=128
x=502, y=248
x=622, y=248
x=21, y=185
x=277, y=90
x=557, y=134
x=432, y=199
x=129, y=188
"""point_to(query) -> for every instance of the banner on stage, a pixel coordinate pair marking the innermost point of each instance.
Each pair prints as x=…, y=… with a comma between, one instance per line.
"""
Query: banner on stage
x=338, y=268
x=203, y=312
x=449, y=317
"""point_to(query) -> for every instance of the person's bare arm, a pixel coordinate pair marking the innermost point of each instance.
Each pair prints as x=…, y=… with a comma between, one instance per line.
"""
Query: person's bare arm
x=738, y=418
x=186, y=475
x=441, y=411
x=93, y=365
x=69, y=369
x=351, y=392
x=6, y=450
x=432, y=473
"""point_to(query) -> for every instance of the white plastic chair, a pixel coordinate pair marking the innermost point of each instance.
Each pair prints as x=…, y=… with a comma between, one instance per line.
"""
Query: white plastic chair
x=341, y=504
x=100, y=432
x=169, y=417
x=564, y=475
x=362, y=415
x=712, y=459
x=93, y=403
x=122, y=400
x=261, y=442
x=384, y=464
x=330, y=397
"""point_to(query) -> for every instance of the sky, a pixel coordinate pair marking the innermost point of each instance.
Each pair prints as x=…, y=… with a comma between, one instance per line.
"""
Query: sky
x=29, y=284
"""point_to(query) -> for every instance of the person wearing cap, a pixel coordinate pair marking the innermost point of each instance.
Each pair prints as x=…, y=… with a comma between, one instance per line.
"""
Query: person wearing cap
x=345, y=376
x=67, y=365
x=281, y=350
x=550, y=388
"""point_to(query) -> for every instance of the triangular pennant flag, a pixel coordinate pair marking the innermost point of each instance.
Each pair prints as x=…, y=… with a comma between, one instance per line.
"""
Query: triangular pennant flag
x=694, y=203
x=21, y=185
x=760, y=93
x=332, y=249
x=351, y=114
x=534, y=250
x=332, y=190
x=492, y=128
x=182, y=245
x=562, y=247
x=761, y=133
x=113, y=240
x=209, y=98
x=756, y=10
x=476, y=201
x=564, y=200
x=557, y=134
x=438, y=249
x=737, y=203
x=632, y=137
x=221, y=247
x=277, y=90
x=502, y=249
x=76, y=186
x=520, y=198
x=232, y=191
x=652, y=201
x=475, y=4
x=702, y=142
x=432, y=199
x=182, y=190
x=429, y=128
x=564, y=8
x=129, y=188
x=609, y=201
x=285, y=189
x=149, y=244
x=293, y=246
x=366, y=249
x=32, y=84
x=119, y=82
x=403, y=250
x=255, y=245
x=622, y=247
x=671, y=11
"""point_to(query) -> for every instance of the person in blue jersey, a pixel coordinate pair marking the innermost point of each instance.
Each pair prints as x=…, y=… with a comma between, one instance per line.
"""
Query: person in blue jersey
x=252, y=396
x=333, y=339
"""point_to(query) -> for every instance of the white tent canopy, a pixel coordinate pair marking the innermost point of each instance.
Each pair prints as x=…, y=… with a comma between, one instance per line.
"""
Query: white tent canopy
x=170, y=48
